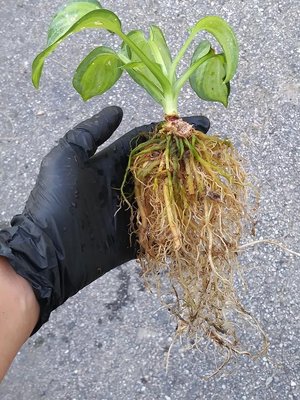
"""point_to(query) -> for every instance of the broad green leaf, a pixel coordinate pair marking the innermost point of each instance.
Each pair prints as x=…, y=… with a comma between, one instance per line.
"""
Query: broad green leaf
x=136, y=70
x=160, y=49
x=208, y=80
x=103, y=19
x=226, y=38
x=67, y=15
x=97, y=73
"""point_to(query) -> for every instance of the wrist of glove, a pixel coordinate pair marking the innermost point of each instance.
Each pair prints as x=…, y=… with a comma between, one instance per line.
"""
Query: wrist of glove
x=69, y=233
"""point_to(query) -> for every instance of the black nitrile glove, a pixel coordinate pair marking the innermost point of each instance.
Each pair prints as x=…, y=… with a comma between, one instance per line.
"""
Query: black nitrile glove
x=69, y=233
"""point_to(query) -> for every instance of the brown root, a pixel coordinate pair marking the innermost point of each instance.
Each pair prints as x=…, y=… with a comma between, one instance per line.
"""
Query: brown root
x=190, y=190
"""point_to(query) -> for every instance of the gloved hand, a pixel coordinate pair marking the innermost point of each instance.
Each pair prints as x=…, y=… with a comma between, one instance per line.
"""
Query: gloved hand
x=69, y=233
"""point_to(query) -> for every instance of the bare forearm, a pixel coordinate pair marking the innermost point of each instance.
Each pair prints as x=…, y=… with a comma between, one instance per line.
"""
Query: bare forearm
x=19, y=312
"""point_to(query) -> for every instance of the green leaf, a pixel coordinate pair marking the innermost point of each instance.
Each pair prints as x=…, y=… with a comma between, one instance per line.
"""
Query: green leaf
x=160, y=49
x=138, y=37
x=130, y=48
x=133, y=65
x=67, y=15
x=103, y=19
x=226, y=38
x=208, y=80
x=97, y=73
x=155, y=48
x=136, y=70
x=202, y=50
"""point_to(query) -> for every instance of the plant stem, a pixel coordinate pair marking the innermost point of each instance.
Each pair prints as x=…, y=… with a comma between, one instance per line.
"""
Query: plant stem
x=185, y=76
x=170, y=103
x=172, y=75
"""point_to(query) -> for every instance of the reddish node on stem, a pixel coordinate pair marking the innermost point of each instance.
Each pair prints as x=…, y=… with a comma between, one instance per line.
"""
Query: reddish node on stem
x=171, y=117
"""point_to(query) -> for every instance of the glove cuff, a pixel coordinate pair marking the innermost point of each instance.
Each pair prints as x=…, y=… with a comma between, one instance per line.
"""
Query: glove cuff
x=32, y=255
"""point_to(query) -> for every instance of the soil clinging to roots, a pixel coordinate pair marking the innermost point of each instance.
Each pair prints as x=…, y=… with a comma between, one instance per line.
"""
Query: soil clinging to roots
x=191, y=206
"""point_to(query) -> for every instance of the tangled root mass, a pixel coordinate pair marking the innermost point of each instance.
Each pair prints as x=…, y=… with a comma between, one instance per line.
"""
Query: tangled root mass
x=190, y=192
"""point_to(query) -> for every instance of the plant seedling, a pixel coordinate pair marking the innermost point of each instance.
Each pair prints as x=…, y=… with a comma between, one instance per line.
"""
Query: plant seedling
x=189, y=206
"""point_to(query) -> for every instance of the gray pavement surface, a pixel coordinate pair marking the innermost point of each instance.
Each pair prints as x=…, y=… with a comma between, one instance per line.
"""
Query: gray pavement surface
x=110, y=340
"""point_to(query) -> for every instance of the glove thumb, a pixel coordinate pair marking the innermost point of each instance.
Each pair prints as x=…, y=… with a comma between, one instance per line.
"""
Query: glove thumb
x=87, y=136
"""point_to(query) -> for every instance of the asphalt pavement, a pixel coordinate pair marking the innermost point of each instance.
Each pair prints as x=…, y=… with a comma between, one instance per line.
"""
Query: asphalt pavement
x=110, y=340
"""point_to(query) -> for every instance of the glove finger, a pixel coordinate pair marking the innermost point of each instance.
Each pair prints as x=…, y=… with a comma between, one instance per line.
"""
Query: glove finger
x=134, y=137
x=88, y=135
x=122, y=146
x=200, y=123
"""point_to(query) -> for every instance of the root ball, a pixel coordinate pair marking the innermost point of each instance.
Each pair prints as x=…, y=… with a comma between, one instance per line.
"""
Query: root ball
x=191, y=197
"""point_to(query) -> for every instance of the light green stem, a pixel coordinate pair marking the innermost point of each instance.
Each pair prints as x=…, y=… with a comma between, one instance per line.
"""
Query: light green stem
x=181, y=53
x=186, y=75
x=170, y=103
